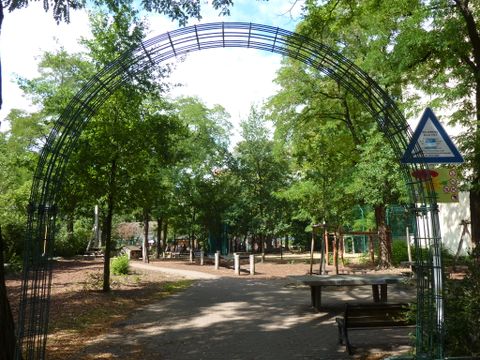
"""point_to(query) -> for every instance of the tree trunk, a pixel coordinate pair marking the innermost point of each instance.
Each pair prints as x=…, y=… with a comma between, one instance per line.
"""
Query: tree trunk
x=160, y=240
x=7, y=326
x=475, y=191
x=474, y=36
x=146, y=218
x=335, y=251
x=384, y=241
x=108, y=228
x=165, y=230
x=475, y=217
x=192, y=231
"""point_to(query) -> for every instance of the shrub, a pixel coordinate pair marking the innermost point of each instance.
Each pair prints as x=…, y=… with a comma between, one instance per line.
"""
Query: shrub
x=462, y=314
x=120, y=265
x=399, y=252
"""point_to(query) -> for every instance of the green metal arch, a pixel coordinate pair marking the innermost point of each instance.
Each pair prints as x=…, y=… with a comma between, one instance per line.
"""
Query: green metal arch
x=33, y=321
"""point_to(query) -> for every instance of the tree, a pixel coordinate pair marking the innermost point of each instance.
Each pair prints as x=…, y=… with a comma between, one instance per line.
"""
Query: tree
x=17, y=160
x=318, y=127
x=7, y=337
x=260, y=174
x=179, y=11
x=431, y=46
x=205, y=156
x=158, y=133
x=344, y=26
x=377, y=186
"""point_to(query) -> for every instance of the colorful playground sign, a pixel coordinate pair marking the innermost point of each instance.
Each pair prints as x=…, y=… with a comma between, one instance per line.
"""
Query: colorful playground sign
x=434, y=142
x=445, y=182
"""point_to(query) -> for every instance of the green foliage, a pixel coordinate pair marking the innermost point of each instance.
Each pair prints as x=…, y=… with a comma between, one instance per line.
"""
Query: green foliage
x=180, y=11
x=68, y=245
x=120, y=265
x=399, y=252
x=462, y=314
x=15, y=264
x=13, y=237
x=261, y=176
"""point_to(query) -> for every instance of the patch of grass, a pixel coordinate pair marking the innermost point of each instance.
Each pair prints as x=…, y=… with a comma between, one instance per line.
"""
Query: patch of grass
x=120, y=265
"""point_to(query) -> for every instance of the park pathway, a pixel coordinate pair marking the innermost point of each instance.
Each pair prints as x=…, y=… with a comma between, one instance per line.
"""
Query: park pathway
x=231, y=318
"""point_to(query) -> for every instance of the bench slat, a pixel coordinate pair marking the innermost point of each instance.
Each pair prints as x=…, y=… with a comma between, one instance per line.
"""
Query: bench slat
x=370, y=316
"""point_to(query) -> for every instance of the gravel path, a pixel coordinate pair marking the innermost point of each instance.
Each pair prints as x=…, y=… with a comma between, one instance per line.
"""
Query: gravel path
x=221, y=318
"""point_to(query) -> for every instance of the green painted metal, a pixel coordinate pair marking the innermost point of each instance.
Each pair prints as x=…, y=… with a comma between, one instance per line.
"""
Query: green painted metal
x=34, y=310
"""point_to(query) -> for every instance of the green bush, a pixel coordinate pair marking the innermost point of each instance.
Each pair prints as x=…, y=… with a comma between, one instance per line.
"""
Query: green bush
x=399, y=252
x=15, y=264
x=462, y=314
x=76, y=244
x=120, y=265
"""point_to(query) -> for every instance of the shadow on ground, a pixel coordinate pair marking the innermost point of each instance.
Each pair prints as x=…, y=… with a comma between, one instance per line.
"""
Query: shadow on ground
x=245, y=319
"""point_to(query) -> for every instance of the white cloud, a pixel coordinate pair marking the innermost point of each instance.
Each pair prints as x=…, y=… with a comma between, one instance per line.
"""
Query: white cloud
x=234, y=78
x=21, y=48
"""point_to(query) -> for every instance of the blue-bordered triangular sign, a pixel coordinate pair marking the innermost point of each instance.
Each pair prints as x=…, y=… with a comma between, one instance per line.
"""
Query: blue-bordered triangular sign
x=431, y=144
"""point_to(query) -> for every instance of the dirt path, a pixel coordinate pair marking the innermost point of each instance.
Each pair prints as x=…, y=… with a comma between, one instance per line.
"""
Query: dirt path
x=241, y=318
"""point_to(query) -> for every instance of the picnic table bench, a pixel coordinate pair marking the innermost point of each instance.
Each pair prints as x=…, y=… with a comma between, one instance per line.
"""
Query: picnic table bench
x=368, y=316
x=317, y=282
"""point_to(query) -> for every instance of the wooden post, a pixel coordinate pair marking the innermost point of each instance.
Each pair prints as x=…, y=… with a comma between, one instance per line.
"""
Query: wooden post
x=217, y=260
x=321, y=270
x=327, y=257
x=342, y=246
x=252, y=264
x=281, y=248
x=335, y=252
x=201, y=257
x=371, y=249
x=236, y=263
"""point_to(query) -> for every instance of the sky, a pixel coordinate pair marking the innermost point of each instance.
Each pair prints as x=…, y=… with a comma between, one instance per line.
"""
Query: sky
x=233, y=78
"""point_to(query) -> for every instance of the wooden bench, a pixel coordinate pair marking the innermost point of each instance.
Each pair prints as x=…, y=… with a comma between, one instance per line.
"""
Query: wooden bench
x=367, y=316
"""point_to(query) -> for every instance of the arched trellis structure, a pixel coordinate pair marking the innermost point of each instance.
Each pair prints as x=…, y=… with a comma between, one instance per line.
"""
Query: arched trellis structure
x=34, y=312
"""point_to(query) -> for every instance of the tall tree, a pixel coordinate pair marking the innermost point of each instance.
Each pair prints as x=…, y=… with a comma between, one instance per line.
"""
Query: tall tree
x=260, y=174
x=7, y=337
x=205, y=154
x=432, y=46
x=180, y=11
x=342, y=26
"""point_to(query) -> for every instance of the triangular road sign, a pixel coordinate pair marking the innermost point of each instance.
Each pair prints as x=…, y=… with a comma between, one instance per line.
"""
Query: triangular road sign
x=434, y=142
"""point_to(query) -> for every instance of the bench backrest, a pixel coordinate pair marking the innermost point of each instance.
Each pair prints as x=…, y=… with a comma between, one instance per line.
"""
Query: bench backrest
x=375, y=315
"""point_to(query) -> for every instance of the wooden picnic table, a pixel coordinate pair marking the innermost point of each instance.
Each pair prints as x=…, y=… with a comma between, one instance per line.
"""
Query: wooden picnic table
x=316, y=282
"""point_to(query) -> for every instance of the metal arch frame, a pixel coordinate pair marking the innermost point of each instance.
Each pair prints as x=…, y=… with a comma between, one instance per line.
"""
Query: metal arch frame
x=34, y=310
